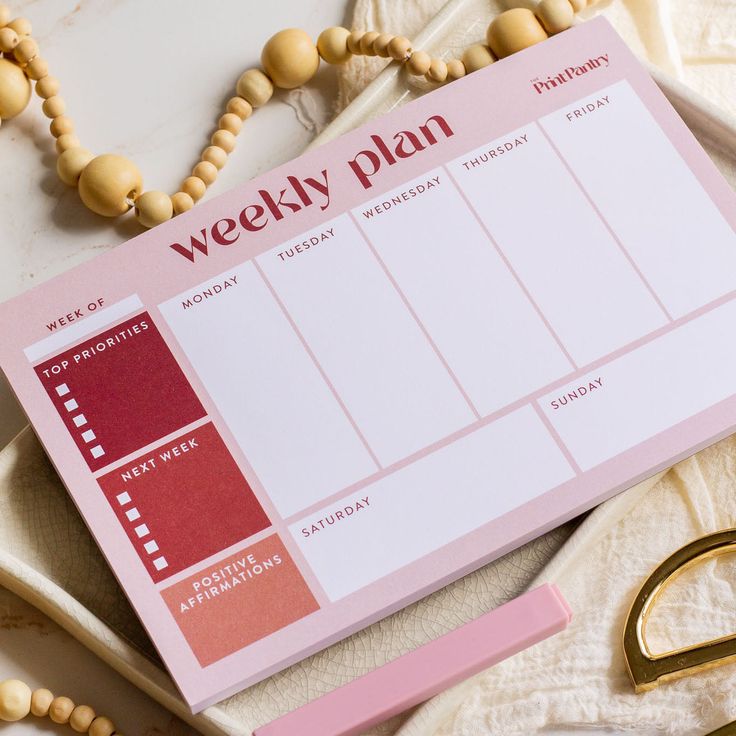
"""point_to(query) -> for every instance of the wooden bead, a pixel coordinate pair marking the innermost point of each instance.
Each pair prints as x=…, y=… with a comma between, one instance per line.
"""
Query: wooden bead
x=151, y=209
x=380, y=45
x=37, y=68
x=290, y=58
x=215, y=155
x=437, y=71
x=578, y=5
x=47, y=87
x=181, y=202
x=419, y=63
x=15, y=89
x=60, y=709
x=22, y=26
x=26, y=50
x=15, y=700
x=41, y=700
x=9, y=39
x=82, y=716
x=61, y=126
x=366, y=43
x=53, y=107
x=353, y=41
x=4, y=15
x=71, y=163
x=109, y=184
x=101, y=726
x=399, y=48
x=332, y=45
x=231, y=123
x=240, y=107
x=194, y=186
x=477, y=57
x=514, y=30
x=223, y=139
x=455, y=69
x=206, y=171
x=254, y=87
x=555, y=15
x=66, y=142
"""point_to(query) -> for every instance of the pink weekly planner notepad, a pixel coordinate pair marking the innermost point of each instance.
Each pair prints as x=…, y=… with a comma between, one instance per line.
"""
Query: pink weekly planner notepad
x=329, y=392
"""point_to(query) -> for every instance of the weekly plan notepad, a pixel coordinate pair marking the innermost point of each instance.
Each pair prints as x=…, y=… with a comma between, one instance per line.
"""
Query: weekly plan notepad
x=320, y=396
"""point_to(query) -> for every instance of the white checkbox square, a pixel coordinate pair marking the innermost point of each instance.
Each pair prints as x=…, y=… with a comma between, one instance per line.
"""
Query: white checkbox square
x=89, y=435
x=123, y=498
x=62, y=390
x=160, y=563
x=133, y=514
x=97, y=451
x=80, y=420
x=71, y=405
x=142, y=530
x=151, y=547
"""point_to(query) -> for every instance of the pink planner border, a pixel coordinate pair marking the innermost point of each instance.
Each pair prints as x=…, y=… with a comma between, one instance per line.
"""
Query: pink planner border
x=496, y=100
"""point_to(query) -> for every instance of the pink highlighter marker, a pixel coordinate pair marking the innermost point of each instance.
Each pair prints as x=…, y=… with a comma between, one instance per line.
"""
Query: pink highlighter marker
x=430, y=669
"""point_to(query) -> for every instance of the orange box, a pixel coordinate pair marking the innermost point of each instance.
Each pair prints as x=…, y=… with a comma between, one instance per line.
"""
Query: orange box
x=239, y=600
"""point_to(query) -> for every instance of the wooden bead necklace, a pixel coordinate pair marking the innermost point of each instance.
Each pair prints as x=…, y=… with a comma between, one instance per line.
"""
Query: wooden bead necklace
x=17, y=700
x=110, y=185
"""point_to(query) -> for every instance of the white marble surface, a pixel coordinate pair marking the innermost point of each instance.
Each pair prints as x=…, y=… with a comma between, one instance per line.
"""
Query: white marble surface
x=147, y=80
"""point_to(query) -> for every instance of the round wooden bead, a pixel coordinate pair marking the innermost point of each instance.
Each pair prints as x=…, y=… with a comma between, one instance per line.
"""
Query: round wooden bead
x=194, y=186
x=60, y=709
x=22, y=26
x=61, y=126
x=206, y=171
x=455, y=69
x=231, y=123
x=366, y=43
x=15, y=700
x=47, y=87
x=332, y=45
x=353, y=41
x=380, y=45
x=290, y=58
x=223, y=139
x=26, y=50
x=555, y=15
x=101, y=726
x=437, y=71
x=151, y=209
x=399, y=48
x=4, y=15
x=181, y=202
x=82, y=716
x=419, y=63
x=71, y=163
x=41, y=700
x=578, y=5
x=15, y=89
x=66, y=142
x=255, y=87
x=215, y=155
x=514, y=30
x=477, y=57
x=109, y=184
x=53, y=106
x=240, y=107
x=37, y=68
x=9, y=39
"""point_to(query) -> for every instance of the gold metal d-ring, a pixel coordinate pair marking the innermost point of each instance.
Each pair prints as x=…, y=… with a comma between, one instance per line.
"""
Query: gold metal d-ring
x=646, y=669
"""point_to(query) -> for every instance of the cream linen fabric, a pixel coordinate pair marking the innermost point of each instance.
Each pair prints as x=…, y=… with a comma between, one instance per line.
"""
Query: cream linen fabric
x=578, y=679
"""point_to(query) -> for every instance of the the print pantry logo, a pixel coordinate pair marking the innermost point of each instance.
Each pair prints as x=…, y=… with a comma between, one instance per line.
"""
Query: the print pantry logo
x=542, y=85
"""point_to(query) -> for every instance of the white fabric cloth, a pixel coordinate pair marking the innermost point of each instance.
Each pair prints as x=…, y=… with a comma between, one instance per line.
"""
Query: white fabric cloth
x=578, y=679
